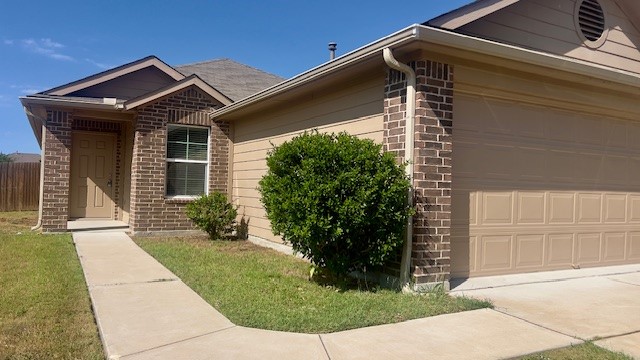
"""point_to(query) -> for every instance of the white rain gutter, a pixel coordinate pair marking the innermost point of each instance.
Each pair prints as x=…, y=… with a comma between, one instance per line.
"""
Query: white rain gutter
x=431, y=35
x=410, y=118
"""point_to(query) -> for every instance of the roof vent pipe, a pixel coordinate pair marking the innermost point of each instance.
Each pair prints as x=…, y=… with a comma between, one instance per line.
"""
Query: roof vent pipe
x=332, y=50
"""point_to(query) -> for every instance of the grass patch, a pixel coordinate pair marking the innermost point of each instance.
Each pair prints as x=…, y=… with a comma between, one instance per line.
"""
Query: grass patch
x=586, y=351
x=45, y=311
x=260, y=288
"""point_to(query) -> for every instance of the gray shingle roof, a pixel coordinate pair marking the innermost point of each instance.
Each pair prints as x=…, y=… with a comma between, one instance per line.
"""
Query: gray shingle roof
x=24, y=157
x=233, y=79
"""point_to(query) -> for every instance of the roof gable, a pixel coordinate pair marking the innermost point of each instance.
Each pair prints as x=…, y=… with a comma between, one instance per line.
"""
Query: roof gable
x=550, y=26
x=192, y=80
x=124, y=71
x=128, y=86
x=234, y=80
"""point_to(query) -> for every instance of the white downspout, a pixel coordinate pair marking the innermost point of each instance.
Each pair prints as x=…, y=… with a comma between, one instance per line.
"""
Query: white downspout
x=410, y=118
x=42, y=147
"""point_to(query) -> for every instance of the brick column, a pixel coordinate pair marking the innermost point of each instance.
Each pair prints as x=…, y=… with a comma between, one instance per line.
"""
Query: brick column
x=430, y=263
x=57, y=168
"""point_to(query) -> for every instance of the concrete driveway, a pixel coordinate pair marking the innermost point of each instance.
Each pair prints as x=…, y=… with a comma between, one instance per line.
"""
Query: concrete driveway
x=600, y=304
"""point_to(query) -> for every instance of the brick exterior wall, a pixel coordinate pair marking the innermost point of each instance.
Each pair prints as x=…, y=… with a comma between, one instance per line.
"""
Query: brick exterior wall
x=57, y=168
x=151, y=211
x=430, y=262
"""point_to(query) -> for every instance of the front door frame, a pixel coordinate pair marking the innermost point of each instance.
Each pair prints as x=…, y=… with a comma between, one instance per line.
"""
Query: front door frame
x=72, y=170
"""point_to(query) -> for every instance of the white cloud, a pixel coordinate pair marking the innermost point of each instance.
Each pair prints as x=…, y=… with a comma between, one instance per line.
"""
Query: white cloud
x=100, y=65
x=8, y=42
x=50, y=43
x=46, y=47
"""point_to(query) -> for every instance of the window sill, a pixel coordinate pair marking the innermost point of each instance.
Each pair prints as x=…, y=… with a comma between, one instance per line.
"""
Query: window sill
x=180, y=199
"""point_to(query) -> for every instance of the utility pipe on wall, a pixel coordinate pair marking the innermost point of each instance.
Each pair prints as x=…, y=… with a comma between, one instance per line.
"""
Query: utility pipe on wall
x=39, y=223
x=410, y=116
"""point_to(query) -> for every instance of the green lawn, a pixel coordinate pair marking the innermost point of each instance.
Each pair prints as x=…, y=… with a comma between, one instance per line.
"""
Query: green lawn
x=587, y=351
x=45, y=312
x=260, y=288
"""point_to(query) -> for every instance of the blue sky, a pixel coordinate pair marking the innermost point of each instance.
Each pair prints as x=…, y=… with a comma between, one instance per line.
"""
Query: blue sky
x=44, y=44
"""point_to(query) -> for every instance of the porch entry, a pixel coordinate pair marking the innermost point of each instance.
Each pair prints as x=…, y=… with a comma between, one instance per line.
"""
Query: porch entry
x=92, y=165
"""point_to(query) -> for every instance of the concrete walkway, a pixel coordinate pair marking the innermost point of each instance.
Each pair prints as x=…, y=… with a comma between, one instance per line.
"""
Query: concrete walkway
x=144, y=311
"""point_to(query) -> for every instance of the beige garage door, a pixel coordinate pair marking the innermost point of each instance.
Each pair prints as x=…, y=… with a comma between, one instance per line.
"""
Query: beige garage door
x=538, y=189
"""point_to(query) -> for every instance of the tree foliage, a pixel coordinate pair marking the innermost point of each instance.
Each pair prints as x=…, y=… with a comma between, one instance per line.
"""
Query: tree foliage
x=4, y=158
x=337, y=199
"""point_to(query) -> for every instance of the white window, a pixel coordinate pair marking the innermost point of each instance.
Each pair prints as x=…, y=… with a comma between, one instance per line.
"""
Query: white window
x=187, y=160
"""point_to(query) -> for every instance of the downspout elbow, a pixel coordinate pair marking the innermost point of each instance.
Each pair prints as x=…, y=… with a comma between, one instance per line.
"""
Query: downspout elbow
x=392, y=62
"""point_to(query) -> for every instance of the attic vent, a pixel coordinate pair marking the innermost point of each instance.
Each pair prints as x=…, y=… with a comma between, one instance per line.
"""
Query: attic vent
x=590, y=20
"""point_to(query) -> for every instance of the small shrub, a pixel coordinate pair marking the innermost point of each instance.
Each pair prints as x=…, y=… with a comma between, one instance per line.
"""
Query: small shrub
x=337, y=199
x=213, y=214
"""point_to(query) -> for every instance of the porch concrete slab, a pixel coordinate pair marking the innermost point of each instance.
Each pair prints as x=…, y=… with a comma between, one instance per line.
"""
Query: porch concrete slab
x=241, y=343
x=113, y=258
x=587, y=308
x=479, y=334
x=97, y=225
x=627, y=344
x=136, y=317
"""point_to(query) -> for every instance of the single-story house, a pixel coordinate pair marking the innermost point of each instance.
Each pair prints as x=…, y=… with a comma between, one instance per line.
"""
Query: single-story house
x=521, y=119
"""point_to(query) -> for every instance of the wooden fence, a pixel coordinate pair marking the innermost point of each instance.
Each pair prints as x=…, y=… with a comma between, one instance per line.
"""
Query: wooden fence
x=19, y=186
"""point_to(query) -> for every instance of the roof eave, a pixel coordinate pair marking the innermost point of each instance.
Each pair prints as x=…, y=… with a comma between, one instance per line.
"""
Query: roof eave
x=468, y=13
x=69, y=103
x=532, y=57
x=446, y=38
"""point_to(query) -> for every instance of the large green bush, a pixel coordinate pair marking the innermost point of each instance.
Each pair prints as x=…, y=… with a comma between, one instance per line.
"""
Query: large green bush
x=213, y=214
x=338, y=200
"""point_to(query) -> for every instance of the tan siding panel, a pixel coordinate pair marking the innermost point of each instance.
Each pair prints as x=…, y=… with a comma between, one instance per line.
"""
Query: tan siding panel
x=355, y=108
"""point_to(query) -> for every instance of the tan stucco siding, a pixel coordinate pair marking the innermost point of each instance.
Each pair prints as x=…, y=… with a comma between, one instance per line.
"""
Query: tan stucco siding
x=548, y=25
x=544, y=178
x=356, y=109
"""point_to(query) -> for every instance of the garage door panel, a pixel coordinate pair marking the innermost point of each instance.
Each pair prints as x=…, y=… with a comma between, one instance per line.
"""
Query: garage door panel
x=615, y=208
x=589, y=208
x=561, y=208
x=533, y=162
x=529, y=251
x=531, y=207
x=496, y=253
x=634, y=246
x=614, y=247
x=464, y=206
x=633, y=134
x=590, y=131
x=497, y=208
x=561, y=166
x=560, y=249
x=538, y=188
x=463, y=255
x=634, y=208
x=588, y=248
x=614, y=170
x=498, y=161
